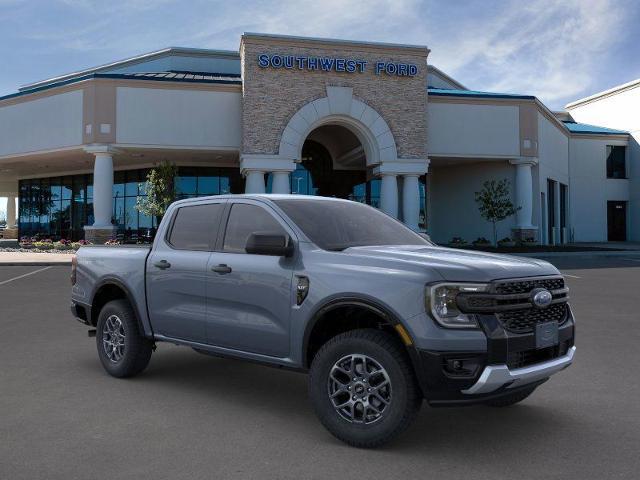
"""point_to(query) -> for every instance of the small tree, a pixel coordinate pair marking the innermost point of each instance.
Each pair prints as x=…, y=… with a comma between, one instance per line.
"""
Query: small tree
x=160, y=190
x=494, y=203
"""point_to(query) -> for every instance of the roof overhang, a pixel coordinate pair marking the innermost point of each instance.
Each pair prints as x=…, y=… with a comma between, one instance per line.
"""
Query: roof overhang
x=606, y=93
x=145, y=57
x=448, y=78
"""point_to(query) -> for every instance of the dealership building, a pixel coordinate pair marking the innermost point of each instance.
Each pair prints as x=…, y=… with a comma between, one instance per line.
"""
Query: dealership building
x=372, y=122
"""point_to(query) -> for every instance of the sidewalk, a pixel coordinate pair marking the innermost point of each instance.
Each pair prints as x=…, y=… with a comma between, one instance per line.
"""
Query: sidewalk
x=34, y=259
x=617, y=245
x=593, y=253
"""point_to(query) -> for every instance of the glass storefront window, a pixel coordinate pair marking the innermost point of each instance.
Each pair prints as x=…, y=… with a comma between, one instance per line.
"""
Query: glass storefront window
x=59, y=207
x=67, y=188
x=209, y=185
x=89, y=183
x=186, y=186
x=118, y=184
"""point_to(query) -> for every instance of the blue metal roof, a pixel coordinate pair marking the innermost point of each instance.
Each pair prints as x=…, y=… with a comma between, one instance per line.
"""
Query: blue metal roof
x=444, y=92
x=575, y=127
x=188, y=77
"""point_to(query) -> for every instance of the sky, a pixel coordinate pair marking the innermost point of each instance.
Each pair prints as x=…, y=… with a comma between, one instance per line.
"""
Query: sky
x=557, y=50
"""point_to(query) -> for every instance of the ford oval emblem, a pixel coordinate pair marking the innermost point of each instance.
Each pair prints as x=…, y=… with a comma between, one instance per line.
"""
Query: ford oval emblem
x=541, y=298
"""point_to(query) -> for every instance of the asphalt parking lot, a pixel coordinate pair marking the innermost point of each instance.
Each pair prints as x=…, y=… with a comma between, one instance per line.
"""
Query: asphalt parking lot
x=192, y=416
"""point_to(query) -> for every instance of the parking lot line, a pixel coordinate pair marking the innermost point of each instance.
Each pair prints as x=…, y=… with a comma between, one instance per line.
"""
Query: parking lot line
x=25, y=275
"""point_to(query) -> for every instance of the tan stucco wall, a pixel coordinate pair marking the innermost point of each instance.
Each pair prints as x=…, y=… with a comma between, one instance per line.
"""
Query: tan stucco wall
x=272, y=96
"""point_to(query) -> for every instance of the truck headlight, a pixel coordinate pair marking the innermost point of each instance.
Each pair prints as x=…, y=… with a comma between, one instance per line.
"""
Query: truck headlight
x=441, y=302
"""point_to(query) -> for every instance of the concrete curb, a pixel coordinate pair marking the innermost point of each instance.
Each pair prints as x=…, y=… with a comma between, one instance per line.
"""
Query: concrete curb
x=34, y=259
x=34, y=264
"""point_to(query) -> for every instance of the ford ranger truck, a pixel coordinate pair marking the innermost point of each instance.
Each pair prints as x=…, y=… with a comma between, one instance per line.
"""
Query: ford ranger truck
x=380, y=317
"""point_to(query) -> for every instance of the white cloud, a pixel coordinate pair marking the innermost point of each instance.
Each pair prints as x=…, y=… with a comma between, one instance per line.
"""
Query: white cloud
x=548, y=48
x=542, y=47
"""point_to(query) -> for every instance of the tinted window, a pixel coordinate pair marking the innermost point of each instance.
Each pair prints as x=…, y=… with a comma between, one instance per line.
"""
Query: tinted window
x=244, y=220
x=616, y=162
x=196, y=227
x=339, y=225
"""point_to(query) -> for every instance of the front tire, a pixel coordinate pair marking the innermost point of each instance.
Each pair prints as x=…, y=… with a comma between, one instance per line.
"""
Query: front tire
x=122, y=349
x=363, y=388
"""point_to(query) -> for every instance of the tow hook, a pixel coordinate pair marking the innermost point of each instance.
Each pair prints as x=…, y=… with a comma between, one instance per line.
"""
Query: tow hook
x=91, y=333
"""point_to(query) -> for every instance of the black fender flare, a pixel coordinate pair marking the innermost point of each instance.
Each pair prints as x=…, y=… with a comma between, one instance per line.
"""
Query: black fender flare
x=147, y=331
x=342, y=300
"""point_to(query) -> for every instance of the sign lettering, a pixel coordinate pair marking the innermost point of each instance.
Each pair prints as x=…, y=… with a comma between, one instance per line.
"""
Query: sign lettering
x=332, y=64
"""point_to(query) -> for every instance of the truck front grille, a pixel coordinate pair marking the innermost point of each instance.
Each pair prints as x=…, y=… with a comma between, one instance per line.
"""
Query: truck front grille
x=531, y=357
x=511, y=302
x=525, y=320
x=525, y=286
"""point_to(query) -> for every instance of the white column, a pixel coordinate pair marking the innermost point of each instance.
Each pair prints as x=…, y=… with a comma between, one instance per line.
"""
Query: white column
x=281, y=183
x=524, y=194
x=103, y=189
x=411, y=201
x=255, y=181
x=389, y=194
x=11, y=212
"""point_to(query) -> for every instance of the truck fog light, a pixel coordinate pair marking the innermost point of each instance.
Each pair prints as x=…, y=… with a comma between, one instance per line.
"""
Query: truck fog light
x=462, y=367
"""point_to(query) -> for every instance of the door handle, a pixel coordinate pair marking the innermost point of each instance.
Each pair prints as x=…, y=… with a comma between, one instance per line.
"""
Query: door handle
x=162, y=264
x=222, y=269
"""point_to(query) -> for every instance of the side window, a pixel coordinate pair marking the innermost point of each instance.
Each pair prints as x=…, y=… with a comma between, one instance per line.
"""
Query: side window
x=616, y=167
x=244, y=220
x=196, y=227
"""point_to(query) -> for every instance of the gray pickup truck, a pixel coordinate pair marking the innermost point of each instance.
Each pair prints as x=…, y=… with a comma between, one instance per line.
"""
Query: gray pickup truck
x=379, y=316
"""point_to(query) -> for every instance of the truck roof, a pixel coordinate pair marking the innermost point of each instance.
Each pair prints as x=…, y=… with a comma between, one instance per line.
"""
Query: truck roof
x=263, y=196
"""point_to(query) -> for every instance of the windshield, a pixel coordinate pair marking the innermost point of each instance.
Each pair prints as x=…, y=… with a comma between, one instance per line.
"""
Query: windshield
x=339, y=225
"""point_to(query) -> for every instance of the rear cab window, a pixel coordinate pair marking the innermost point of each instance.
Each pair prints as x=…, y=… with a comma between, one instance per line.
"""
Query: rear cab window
x=195, y=227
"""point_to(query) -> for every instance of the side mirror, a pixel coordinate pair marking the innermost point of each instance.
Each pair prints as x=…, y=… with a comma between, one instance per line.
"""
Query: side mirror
x=265, y=243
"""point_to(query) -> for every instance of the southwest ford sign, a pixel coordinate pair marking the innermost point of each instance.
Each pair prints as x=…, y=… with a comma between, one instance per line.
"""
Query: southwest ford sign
x=333, y=64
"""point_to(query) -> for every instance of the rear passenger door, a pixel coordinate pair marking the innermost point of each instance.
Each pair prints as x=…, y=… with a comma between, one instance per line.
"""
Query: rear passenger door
x=249, y=297
x=177, y=272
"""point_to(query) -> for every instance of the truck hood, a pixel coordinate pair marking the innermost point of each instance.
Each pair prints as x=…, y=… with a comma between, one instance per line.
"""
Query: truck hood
x=460, y=265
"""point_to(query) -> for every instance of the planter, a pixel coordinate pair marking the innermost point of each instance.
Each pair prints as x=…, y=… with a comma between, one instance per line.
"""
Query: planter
x=506, y=244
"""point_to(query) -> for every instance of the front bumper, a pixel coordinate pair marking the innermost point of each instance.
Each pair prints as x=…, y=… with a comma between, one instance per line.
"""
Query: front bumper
x=509, y=362
x=494, y=377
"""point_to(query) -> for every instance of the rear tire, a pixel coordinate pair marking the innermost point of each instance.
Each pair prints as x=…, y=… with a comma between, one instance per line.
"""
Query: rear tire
x=511, y=399
x=122, y=348
x=383, y=399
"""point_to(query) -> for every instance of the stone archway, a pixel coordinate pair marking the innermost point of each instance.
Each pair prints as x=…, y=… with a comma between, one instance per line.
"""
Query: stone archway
x=339, y=107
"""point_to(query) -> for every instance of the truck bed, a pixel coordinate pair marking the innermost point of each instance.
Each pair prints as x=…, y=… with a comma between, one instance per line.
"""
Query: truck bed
x=124, y=265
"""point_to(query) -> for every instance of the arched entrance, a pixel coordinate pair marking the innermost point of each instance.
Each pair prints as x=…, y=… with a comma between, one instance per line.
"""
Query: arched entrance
x=333, y=164
x=339, y=146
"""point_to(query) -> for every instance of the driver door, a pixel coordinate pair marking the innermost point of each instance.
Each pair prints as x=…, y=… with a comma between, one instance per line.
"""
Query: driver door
x=249, y=297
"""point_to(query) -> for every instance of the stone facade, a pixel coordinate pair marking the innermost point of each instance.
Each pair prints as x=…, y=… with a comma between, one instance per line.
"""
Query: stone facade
x=9, y=233
x=272, y=96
